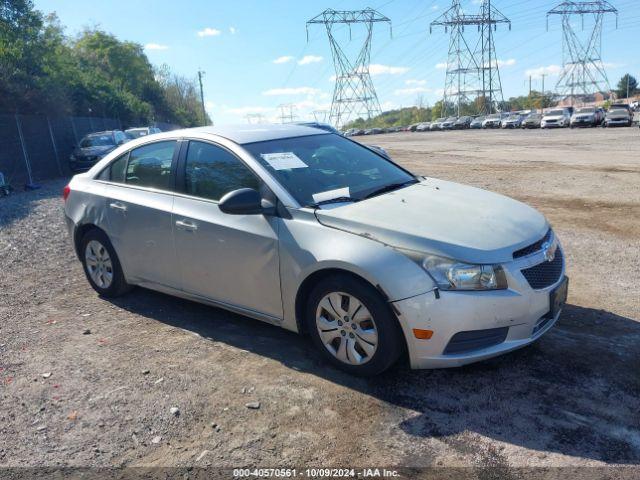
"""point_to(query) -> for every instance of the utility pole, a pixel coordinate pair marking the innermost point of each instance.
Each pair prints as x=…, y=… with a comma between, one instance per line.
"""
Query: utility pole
x=204, y=111
x=353, y=95
x=544, y=75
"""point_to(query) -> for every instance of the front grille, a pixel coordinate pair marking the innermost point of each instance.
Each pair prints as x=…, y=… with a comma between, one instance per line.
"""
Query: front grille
x=533, y=248
x=464, y=342
x=543, y=322
x=544, y=274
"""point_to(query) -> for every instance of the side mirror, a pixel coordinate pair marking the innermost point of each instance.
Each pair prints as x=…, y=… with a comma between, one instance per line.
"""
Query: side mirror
x=245, y=201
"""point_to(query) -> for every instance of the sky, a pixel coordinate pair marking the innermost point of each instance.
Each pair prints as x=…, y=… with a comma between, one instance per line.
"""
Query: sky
x=256, y=56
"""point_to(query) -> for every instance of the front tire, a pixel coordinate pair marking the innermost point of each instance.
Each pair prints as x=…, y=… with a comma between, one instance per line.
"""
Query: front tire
x=353, y=326
x=101, y=265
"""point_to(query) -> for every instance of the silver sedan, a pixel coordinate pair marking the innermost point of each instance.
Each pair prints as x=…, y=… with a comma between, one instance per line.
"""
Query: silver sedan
x=318, y=234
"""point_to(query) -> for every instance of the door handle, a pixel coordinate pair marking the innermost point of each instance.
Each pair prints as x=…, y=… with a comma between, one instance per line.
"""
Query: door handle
x=186, y=225
x=118, y=206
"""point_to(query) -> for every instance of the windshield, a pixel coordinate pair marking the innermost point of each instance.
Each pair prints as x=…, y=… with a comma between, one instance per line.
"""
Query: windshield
x=493, y=117
x=534, y=116
x=555, y=112
x=97, y=140
x=586, y=110
x=324, y=167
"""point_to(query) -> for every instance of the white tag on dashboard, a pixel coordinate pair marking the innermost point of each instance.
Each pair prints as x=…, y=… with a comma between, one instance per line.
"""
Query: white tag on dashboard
x=283, y=160
x=331, y=194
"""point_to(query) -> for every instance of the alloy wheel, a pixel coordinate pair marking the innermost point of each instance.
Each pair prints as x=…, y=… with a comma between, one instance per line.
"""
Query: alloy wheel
x=346, y=328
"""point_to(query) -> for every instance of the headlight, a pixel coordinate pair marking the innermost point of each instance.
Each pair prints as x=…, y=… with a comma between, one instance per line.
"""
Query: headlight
x=452, y=275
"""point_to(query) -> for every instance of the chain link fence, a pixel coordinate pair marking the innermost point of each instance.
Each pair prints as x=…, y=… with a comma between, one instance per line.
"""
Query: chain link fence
x=35, y=148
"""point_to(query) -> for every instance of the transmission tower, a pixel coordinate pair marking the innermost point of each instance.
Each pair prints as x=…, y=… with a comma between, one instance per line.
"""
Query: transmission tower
x=353, y=95
x=287, y=112
x=473, y=74
x=583, y=72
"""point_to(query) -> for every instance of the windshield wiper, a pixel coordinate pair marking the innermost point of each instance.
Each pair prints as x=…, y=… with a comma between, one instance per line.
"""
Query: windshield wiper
x=334, y=200
x=390, y=188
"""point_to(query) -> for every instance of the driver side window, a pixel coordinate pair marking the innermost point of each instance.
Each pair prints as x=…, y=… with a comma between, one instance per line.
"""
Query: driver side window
x=211, y=172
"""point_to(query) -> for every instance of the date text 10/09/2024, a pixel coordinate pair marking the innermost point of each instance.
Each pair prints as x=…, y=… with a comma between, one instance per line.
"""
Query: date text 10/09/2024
x=315, y=473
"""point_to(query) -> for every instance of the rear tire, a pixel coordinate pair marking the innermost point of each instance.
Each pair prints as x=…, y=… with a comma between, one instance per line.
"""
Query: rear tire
x=101, y=265
x=353, y=326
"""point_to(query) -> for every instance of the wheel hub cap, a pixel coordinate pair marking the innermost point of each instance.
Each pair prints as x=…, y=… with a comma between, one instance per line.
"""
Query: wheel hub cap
x=99, y=264
x=346, y=328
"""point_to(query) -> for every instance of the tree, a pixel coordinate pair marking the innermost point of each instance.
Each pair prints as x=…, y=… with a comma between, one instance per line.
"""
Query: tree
x=43, y=71
x=627, y=86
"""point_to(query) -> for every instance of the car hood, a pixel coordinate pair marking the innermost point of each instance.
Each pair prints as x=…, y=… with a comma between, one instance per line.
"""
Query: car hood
x=617, y=116
x=553, y=117
x=92, y=151
x=443, y=218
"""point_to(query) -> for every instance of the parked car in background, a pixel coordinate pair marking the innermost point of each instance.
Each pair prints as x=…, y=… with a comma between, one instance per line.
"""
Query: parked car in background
x=533, y=120
x=462, y=123
x=448, y=123
x=586, y=117
x=477, y=122
x=413, y=128
x=618, y=117
x=93, y=147
x=423, y=127
x=133, y=133
x=301, y=228
x=557, y=118
x=512, y=121
x=492, y=121
x=373, y=131
x=437, y=125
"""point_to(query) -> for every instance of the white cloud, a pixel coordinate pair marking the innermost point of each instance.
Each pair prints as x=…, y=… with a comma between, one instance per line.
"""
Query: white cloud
x=441, y=66
x=411, y=91
x=307, y=59
x=284, y=59
x=413, y=81
x=507, y=63
x=232, y=30
x=550, y=70
x=377, y=69
x=209, y=32
x=246, y=110
x=155, y=46
x=291, y=91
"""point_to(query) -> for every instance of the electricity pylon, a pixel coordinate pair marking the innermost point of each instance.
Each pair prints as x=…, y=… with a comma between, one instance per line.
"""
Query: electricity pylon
x=473, y=74
x=353, y=95
x=583, y=72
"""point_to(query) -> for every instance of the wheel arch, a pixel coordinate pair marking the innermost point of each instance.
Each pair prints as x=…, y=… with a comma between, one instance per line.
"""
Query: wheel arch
x=313, y=278
x=80, y=232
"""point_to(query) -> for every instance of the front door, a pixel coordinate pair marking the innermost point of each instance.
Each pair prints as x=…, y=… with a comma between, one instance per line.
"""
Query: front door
x=232, y=259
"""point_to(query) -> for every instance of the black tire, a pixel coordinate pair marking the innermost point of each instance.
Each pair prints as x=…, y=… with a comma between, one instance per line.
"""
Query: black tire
x=390, y=336
x=118, y=285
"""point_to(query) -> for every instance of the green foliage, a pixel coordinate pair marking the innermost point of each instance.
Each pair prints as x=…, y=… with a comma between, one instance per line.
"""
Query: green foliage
x=627, y=81
x=394, y=118
x=43, y=71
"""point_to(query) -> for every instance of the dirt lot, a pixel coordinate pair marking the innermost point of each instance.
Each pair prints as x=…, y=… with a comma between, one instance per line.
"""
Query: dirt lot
x=115, y=369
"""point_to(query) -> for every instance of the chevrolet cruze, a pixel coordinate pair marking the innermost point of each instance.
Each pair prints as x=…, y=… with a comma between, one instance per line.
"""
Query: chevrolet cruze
x=318, y=234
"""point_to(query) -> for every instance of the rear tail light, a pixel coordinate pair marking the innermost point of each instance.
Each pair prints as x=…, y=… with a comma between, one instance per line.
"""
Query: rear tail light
x=65, y=192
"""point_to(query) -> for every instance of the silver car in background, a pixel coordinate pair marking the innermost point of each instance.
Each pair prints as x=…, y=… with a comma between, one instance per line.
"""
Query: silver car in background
x=321, y=235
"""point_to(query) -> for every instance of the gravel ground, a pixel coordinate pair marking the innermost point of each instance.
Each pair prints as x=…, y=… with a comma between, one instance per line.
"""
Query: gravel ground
x=89, y=382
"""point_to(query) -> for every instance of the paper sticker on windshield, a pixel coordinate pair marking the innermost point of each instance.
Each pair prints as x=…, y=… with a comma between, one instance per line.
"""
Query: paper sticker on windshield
x=283, y=160
x=331, y=194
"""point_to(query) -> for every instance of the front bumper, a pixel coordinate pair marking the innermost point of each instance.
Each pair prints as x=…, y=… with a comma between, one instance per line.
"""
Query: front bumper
x=521, y=312
x=617, y=123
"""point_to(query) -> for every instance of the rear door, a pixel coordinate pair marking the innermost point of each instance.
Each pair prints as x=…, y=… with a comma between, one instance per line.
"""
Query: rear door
x=232, y=259
x=139, y=204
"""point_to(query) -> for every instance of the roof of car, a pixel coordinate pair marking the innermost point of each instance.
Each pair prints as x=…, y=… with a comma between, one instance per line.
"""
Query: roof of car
x=243, y=134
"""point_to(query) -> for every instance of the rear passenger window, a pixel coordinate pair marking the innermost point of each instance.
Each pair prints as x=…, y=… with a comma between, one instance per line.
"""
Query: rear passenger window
x=150, y=166
x=211, y=172
x=114, y=172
